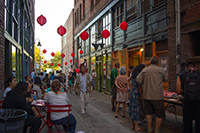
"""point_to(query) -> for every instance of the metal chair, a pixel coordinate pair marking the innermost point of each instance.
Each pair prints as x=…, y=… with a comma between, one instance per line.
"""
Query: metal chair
x=1, y=104
x=57, y=109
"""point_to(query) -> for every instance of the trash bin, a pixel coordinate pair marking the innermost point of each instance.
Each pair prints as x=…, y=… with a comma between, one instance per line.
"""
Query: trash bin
x=12, y=120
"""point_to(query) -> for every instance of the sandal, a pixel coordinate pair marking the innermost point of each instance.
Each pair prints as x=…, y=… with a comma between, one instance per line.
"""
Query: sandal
x=116, y=116
x=123, y=116
x=140, y=130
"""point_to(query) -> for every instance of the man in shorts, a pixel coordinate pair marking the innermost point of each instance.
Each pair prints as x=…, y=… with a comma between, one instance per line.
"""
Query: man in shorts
x=152, y=79
x=113, y=75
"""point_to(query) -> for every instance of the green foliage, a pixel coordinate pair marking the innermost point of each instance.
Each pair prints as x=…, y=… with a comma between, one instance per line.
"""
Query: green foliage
x=14, y=61
x=56, y=60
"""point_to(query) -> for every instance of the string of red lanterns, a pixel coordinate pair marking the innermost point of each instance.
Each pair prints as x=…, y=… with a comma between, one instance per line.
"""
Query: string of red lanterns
x=45, y=62
x=52, y=54
x=70, y=61
x=58, y=64
x=72, y=54
x=51, y=64
x=81, y=52
x=65, y=63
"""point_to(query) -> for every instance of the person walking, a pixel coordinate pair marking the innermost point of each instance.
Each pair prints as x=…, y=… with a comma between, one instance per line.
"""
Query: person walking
x=113, y=75
x=83, y=85
x=136, y=106
x=152, y=79
x=94, y=75
x=122, y=84
x=187, y=81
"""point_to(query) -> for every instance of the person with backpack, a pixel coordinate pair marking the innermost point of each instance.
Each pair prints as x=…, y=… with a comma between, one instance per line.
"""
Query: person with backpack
x=188, y=83
x=83, y=85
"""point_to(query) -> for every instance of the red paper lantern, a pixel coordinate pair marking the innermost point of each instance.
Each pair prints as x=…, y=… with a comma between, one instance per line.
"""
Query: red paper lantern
x=79, y=66
x=70, y=61
x=58, y=64
x=51, y=64
x=92, y=63
x=72, y=54
x=44, y=51
x=77, y=70
x=65, y=63
x=84, y=35
x=45, y=62
x=62, y=55
x=41, y=20
x=104, y=64
x=81, y=51
x=104, y=69
x=52, y=54
x=105, y=33
x=61, y=30
x=123, y=25
x=75, y=61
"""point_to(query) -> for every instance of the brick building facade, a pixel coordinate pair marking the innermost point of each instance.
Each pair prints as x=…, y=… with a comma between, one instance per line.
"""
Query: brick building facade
x=2, y=45
x=68, y=42
x=190, y=31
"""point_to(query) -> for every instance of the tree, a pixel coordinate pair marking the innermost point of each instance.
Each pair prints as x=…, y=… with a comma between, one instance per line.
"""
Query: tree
x=56, y=60
x=37, y=56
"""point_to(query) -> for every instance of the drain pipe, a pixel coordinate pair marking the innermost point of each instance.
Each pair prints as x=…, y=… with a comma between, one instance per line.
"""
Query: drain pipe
x=178, y=37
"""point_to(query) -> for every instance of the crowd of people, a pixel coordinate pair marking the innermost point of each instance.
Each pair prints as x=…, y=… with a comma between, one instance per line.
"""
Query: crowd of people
x=142, y=91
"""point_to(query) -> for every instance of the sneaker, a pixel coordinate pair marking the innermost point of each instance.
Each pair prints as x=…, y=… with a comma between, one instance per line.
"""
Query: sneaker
x=82, y=114
x=85, y=109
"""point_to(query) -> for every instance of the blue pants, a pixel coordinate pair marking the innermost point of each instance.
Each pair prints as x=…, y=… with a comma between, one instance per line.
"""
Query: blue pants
x=70, y=120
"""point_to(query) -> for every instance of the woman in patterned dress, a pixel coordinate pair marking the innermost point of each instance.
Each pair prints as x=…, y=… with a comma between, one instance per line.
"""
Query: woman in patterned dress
x=136, y=106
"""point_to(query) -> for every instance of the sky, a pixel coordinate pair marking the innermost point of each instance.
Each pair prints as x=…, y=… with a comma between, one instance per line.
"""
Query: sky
x=56, y=13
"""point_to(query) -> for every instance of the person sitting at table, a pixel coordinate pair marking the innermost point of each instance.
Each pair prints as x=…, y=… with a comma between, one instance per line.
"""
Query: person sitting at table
x=56, y=97
x=16, y=99
x=37, y=85
x=10, y=83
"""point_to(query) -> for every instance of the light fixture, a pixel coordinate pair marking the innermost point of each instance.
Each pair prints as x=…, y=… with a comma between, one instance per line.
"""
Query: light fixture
x=141, y=50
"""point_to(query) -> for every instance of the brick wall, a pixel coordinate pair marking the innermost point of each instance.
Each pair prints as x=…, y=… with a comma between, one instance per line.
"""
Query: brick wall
x=2, y=45
x=68, y=46
x=190, y=21
x=90, y=13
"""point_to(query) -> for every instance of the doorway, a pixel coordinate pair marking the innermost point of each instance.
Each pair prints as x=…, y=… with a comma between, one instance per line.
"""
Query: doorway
x=99, y=76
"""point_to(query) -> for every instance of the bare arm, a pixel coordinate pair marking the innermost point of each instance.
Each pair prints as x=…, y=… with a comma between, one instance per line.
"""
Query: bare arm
x=76, y=88
x=117, y=84
x=178, y=85
x=129, y=79
x=141, y=91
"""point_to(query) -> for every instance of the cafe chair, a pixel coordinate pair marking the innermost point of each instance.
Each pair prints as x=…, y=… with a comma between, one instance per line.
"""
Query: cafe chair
x=1, y=104
x=34, y=91
x=57, y=109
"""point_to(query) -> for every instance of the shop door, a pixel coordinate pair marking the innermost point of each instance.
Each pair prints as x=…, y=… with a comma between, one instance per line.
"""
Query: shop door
x=99, y=76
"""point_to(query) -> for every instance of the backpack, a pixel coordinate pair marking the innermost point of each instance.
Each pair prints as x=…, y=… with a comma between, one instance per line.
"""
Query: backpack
x=192, y=87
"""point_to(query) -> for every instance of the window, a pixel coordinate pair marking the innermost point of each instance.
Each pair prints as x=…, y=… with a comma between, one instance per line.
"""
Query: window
x=83, y=8
x=145, y=6
x=147, y=51
x=157, y=2
x=77, y=16
x=118, y=15
x=99, y=28
x=106, y=25
x=92, y=3
x=80, y=12
x=131, y=11
x=93, y=37
x=75, y=19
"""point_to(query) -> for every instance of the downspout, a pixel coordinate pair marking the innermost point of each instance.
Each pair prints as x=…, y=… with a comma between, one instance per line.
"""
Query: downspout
x=178, y=37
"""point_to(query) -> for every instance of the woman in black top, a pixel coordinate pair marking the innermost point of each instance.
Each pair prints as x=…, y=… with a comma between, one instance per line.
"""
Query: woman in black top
x=16, y=99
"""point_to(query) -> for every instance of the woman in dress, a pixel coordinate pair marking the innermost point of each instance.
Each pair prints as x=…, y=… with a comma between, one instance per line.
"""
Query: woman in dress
x=56, y=97
x=135, y=105
x=122, y=90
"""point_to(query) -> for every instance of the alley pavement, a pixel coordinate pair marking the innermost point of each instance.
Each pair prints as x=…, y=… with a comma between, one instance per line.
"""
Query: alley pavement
x=100, y=119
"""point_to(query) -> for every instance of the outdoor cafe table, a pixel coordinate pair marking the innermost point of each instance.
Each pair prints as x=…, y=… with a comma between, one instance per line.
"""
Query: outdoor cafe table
x=40, y=106
x=174, y=102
